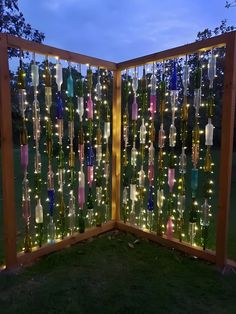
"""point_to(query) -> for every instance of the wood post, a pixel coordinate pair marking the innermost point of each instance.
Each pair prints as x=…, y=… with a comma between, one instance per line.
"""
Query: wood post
x=9, y=212
x=227, y=133
x=116, y=144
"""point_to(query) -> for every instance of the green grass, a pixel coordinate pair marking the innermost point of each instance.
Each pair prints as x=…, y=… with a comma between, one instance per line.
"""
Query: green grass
x=105, y=275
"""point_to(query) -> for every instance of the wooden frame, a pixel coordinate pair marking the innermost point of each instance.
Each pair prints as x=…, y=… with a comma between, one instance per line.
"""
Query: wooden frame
x=220, y=256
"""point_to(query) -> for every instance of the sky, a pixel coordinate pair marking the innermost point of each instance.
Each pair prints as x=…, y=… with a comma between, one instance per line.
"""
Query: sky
x=118, y=30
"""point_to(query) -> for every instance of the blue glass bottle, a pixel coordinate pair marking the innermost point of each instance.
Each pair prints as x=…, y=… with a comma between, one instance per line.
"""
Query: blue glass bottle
x=150, y=199
x=51, y=194
x=194, y=181
x=173, y=80
x=90, y=155
x=59, y=106
x=70, y=86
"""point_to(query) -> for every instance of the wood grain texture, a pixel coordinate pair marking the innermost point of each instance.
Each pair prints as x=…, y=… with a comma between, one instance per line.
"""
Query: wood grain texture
x=226, y=155
x=27, y=258
x=217, y=41
x=19, y=43
x=116, y=145
x=8, y=191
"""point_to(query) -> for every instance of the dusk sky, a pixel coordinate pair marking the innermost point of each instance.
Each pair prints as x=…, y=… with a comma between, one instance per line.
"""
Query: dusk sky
x=123, y=29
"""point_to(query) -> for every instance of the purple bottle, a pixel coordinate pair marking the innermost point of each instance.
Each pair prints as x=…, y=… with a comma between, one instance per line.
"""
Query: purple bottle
x=24, y=156
x=153, y=105
x=90, y=108
x=171, y=178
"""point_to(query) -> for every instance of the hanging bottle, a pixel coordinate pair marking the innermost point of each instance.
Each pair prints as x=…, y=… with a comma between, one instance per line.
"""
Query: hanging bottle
x=161, y=137
x=80, y=96
x=211, y=69
x=182, y=161
x=171, y=172
x=48, y=86
x=90, y=164
x=133, y=156
x=185, y=77
x=71, y=215
x=143, y=132
x=107, y=129
x=51, y=195
x=21, y=89
x=153, y=82
x=197, y=88
x=81, y=192
x=90, y=208
x=209, y=133
x=193, y=221
x=205, y=222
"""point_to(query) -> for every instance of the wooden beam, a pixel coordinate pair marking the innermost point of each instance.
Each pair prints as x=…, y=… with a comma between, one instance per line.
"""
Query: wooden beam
x=203, y=45
x=226, y=155
x=116, y=144
x=28, y=258
x=23, y=44
x=174, y=243
x=9, y=211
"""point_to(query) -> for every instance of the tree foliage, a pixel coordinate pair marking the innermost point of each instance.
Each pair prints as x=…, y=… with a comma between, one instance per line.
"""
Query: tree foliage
x=12, y=21
x=221, y=29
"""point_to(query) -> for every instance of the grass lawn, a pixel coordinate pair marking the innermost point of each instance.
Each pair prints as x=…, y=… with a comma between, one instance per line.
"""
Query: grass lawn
x=114, y=274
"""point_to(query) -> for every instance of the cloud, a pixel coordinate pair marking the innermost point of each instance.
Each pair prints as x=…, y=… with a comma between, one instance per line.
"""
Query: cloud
x=124, y=29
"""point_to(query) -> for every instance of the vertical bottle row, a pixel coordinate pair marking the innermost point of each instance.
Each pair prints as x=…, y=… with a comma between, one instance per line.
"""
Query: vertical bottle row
x=71, y=127
x=133, y=155
x=107, y=133
x=125, y=158
x=207, y=168
x=81, y=175
x=161, y=145
x=24, y=155
x=49, y=142
x=99, y=159
x=37, y=158
x=90, y=151
x=142, y=143
x=60, y=158
x=181, y=197
x=172, y=144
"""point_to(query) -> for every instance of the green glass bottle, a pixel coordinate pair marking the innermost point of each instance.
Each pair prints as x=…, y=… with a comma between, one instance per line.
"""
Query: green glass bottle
x=171, y=163
x=89, y=79
x=37, y=183
x=90, y=199
x=23, y=134
x=210, y=104
x=21, y=76
x=49, y=138
x=47, y=75
x=162, y=96
x=27, y=240
x=62, y=223
x=144, y=94
x=81, y=221
x=193, y=217
x=197, y=78
x=208, y=160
